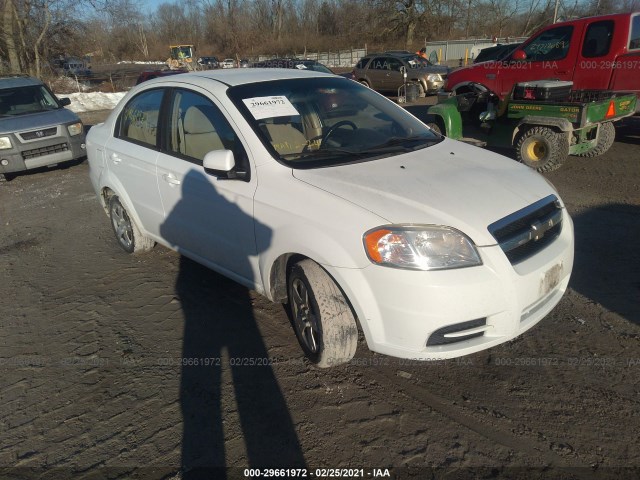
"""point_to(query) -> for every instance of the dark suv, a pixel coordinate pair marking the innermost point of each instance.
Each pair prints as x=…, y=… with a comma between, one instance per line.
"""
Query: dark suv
x=35, y=128
x=384, y=72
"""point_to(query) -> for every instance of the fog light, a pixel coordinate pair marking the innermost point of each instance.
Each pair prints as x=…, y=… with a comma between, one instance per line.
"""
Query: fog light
x=4, y=162
x=83, y=146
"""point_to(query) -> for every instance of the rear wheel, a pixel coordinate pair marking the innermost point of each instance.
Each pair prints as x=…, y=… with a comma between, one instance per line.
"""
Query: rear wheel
x=606, y=137
x=125, y=229
x=321, y=316
x=365, y=83
x=542, y=148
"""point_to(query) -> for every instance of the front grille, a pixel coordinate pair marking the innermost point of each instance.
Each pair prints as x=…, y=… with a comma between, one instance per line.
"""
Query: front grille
x=37, y=134
x=528, y=231
x=39, y=152
x=438, y=337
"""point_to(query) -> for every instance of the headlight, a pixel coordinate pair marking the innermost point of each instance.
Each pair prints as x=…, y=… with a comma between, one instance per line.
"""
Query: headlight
x=420, y=247
x=75, y=129
x=434, y=77
x=5, y=142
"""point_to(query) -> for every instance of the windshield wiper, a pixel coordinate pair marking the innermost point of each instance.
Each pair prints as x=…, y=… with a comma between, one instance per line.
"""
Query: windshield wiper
x=324, y=152
x=403, y=143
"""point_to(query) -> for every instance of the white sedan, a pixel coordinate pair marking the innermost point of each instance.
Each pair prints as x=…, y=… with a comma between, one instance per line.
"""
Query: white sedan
x=228, y=63
x=320, y=193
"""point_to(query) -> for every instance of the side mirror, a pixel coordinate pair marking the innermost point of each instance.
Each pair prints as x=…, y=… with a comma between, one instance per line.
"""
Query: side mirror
x=219, y=160
x=64, y=102
x=519, y=56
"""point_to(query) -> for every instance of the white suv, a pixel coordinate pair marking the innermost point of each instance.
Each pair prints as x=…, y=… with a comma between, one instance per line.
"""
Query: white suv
x=319, y=192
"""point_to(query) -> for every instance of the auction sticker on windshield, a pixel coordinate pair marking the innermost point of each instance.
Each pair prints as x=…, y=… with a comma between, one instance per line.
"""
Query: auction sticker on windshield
x=270, y=107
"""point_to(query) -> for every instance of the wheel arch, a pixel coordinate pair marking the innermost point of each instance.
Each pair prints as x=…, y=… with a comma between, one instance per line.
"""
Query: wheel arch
x=558, y=125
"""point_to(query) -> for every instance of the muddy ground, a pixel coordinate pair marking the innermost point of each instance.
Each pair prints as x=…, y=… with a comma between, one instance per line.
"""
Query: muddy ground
x=95, y=380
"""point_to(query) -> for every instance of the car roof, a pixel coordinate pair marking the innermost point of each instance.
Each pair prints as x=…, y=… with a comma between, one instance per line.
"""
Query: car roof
x=233, y=77
x=14, y=81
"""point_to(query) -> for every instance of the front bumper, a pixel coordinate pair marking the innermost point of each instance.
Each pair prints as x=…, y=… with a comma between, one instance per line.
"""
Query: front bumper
x=401, y=310
x=43, y=153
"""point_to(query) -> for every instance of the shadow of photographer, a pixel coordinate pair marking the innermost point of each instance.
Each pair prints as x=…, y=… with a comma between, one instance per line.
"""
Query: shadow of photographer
x=222, y=342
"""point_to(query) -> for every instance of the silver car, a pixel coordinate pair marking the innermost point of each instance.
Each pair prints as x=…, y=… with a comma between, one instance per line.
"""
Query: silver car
x=35, y=128
x=384, y=72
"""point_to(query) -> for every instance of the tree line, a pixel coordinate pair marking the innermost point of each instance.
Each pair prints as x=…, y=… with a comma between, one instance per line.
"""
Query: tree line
x=34, y=32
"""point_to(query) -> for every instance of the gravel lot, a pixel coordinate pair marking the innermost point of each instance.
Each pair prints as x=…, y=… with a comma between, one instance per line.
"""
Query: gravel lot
x=96, y=381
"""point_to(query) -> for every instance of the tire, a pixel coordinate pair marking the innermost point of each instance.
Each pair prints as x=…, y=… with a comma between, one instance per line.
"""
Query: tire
x=321, y=316
x=435, y=127
x=365, y=83
x=125, y=229
x=541, y=148
x=606, y=137
x=422, y=92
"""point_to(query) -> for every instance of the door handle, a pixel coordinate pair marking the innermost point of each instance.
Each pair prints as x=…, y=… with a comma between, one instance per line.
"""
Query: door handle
x=562, y=72
x=115, y=158
x=170, y=179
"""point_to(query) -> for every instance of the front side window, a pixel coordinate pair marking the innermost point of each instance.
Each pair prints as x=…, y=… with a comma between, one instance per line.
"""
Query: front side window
x=394, y=64
x=597, y=40
x=198, y=127
x=634, y=39
x=317, y=122
x=138, y=120
x=550, y=45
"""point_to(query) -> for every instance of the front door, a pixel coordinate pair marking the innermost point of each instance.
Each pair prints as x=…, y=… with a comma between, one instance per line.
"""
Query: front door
x=207, y=217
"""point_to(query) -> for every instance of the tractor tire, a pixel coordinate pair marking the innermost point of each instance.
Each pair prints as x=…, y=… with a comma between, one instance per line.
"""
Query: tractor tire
x=606, y=137
x=542, y=148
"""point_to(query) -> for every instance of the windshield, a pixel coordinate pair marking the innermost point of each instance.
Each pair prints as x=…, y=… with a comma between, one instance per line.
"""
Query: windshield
x=316, y=122
x=23, y=100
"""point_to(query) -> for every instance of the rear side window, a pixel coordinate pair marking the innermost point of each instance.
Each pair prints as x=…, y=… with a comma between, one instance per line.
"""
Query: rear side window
x=597, y=40
x=552, y=44
x=139, y=118
x=379, y=63
x=634, y=40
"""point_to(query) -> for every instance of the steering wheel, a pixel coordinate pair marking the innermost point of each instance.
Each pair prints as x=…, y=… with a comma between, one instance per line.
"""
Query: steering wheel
x=333, y=128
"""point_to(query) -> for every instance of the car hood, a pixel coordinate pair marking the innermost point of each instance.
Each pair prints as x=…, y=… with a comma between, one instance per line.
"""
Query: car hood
x=451, y=183
x=441, y=69
x=33, y=121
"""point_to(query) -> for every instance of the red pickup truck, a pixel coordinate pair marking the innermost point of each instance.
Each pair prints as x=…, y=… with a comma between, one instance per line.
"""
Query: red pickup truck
x=596, y=53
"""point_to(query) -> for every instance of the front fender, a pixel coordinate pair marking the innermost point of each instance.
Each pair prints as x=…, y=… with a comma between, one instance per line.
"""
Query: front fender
x=451, y=118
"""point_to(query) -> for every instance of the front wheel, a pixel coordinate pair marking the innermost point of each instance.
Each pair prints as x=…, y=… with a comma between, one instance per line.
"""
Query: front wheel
x=125, y=229
x=542, y=148
x=321, y=316
x=365, y=83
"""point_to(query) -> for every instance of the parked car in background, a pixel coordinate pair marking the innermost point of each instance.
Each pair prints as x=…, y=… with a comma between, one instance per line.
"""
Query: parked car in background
x=151, y=74
x=76, y=68
x=208, y=62
x=497, y=52
x=384, y=72
x=320, y=193
x=244, y=63
x=35, y=128
x=228, y=63
x=300, y=64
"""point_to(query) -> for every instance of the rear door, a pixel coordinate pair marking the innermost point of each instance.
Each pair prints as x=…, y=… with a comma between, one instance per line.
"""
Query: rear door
x=131, y=155
x=377, y=72
x=625, y=75
x=596, y=59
